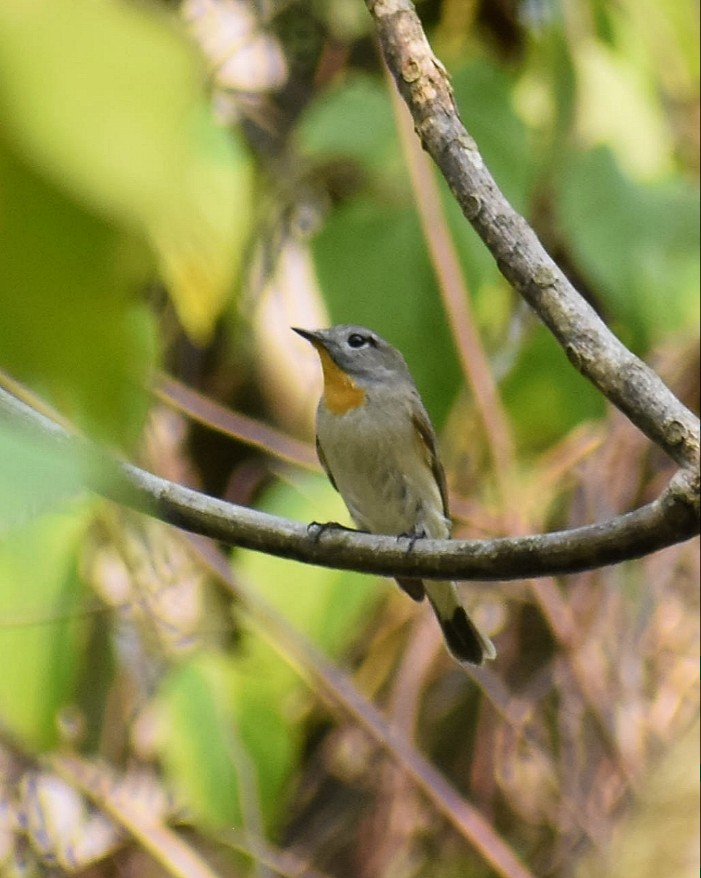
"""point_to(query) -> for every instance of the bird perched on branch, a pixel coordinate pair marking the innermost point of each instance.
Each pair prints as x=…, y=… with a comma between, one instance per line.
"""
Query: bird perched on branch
x=376, y=443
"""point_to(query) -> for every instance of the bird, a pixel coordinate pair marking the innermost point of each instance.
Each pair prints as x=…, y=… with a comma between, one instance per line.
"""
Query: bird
x=376, y=443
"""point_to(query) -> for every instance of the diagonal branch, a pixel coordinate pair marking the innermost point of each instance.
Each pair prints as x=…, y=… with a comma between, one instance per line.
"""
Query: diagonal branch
x=591, y=347
x=670, y=519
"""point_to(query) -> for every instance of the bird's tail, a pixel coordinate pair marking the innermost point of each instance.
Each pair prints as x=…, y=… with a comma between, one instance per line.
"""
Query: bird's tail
x=463, y=639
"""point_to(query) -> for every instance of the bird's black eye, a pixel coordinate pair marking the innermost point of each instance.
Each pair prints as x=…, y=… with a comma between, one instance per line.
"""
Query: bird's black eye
x=355, y=340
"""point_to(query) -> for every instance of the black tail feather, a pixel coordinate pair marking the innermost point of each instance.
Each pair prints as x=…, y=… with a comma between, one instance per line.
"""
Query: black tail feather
x=464, y=641
x=462, y=637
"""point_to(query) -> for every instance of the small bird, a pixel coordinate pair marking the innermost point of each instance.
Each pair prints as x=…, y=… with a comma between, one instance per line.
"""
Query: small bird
x=378, y=448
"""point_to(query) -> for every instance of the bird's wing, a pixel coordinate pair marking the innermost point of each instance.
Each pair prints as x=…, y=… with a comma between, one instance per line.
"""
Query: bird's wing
x=322, y=461
x=428, y=440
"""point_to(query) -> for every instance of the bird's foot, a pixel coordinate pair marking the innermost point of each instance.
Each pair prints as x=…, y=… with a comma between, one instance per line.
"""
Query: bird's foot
x=412, y=537
x=316, y=529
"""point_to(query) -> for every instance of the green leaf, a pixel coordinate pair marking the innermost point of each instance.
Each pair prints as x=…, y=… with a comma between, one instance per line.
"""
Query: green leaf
x=110, y=165
x=325, y=605
x=67, y=322
x=197, y=719
x=637, y=244
x=226, y=745
x=106, y=99
x=42, y=639
x=355, y=120
x=545, y=396
x=200, y=245
x=33, y=476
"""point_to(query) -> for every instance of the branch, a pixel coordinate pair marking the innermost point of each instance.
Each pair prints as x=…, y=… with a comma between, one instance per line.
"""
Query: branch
x=591, y=347
x=672, y=518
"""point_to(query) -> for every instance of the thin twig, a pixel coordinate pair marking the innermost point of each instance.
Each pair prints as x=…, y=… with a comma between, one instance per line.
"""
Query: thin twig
x=240, y=427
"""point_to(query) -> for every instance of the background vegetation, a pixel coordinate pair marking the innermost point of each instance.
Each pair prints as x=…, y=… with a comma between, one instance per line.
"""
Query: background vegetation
x=178, y=185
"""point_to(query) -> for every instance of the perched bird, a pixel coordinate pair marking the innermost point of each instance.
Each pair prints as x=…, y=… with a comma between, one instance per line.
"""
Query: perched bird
x=376, y=443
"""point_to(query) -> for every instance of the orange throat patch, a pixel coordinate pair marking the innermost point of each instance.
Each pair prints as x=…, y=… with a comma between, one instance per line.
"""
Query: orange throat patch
x=341, y=393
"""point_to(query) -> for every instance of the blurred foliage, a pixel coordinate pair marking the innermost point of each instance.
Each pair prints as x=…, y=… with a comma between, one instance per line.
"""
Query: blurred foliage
x=44, y=660
x=178, y=185
x=652, y=291
x=34, y=477
x=109, y=168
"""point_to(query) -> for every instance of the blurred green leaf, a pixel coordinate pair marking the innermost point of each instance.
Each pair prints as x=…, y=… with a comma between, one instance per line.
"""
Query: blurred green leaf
x=637, y=244
x=106, y=99
x=100, y=95
x=228, y=746
x=354, y=119
x=42, y=639
x=325, y=605
x=66, y=321
x=546, y=96
x=33, y=476
x=232, y=745
x=545, y=396
x=200, y=244
x=199, y=722
x=110, y=164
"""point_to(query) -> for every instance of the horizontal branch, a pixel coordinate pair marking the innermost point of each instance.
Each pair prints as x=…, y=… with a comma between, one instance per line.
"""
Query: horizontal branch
x=672, y=518
x=591, y=347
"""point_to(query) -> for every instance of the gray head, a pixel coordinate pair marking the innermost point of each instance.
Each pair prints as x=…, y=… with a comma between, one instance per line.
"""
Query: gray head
x=358, y=351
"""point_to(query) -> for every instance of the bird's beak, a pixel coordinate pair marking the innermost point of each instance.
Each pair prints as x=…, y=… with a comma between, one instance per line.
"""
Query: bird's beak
x=312, y=336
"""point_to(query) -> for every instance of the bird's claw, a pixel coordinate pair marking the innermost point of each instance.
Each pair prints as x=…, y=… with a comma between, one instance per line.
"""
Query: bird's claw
x=412, y=537
x=316, y=529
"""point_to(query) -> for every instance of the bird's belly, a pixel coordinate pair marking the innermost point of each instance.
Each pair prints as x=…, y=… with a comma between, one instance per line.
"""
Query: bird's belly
x=378, y=498
x=385, y=483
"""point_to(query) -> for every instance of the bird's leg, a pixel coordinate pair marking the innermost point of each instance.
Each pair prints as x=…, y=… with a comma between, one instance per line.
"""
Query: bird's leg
x=412, y=537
